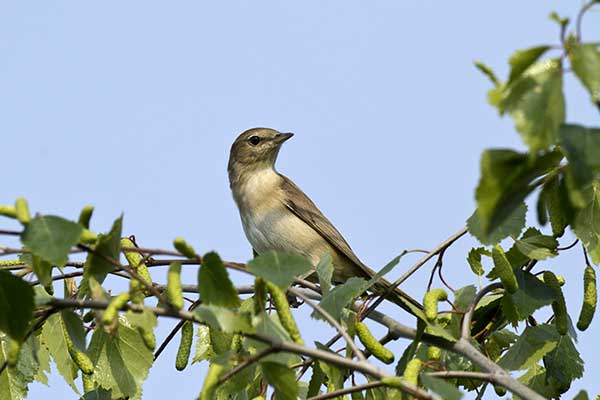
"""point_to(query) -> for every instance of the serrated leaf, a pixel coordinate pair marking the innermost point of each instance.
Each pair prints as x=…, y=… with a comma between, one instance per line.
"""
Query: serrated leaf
x=341, y=295
x=16, y=305
x=51, y=238
x=316, y=380
x=224, y=319
x=98, y=394
x=214, y=285
x=269, y=325
x=585, y=61
x=499, y=341
x=279, y=268
x=532, y=345
x=512, y=226
x=474, y=259
x=559, y=208
x=538, y=247
x=446, y=390
x=106, y=252
x=538, y=113
x=505, y=182
x=281, y=379
x=325, y=272
x=581, y=146
x=122, y=362
x=54, y=338
x=535, y=378
x=587, y=226
x=15, y=380
x=523, y=59
x=564, y=364
x=531, y=295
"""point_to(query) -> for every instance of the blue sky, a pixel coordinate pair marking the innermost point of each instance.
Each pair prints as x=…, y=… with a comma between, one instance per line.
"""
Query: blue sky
x=132, y=107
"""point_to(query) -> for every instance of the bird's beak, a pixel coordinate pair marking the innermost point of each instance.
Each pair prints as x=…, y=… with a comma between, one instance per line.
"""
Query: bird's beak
x=282, y=137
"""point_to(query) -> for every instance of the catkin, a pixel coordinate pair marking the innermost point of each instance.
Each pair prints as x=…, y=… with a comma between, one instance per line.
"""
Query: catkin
x=372, y=344
x=22, y=211
x=184, y=248
x=589, y=299
x=110, y=314
x=85, y=215
x=558, y=306
x=8, y=211
x=411, y=372
x=185, y=346
x=174, y=291
x=430, y=302
x=284, y=313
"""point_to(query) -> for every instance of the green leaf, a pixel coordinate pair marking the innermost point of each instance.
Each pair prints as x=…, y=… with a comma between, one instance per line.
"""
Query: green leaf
x=446, y=390
x=269, y=325
x=487, y=71
x=462, y=300
x=54, y=338
x=585, y=61
x=557, y=203
x=325, y=272
x=203, y=345
x=512, y=226
x=531, y=295
x=341, y=295
x=581, y=146
x=281, y=379
x=587, y=226
x=214, y=285
x=523, y=59
x=499, y=341
x=474, y=259
x=539, y=111
x=106, y=252
x=122, y=362
x=14, y=380
x=538, y=247
x=536, y=379
x=532, y=345
x=279, y=268
x=224, y=319
x=316, y=380
x=51, y=238
x=582, y=395
x=564, y=364
x=505, y=182
x=16, y=305
x=98, y=394
x=335, y=375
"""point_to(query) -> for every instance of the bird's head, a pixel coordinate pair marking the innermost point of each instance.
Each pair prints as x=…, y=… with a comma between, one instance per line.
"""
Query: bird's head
x=255, y=149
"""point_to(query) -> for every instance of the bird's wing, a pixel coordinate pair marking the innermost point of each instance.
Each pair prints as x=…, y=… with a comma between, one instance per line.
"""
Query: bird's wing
x=303, y=207
x=307, y=211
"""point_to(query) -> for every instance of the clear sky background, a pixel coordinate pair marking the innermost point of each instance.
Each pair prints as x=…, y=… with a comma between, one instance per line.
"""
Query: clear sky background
x=132, y=106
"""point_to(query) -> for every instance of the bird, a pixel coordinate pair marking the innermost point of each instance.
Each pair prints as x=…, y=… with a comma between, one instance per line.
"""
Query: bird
x=278, y=216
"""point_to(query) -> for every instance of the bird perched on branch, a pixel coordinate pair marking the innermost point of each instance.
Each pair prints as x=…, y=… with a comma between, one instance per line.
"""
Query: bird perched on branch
x=277, y=215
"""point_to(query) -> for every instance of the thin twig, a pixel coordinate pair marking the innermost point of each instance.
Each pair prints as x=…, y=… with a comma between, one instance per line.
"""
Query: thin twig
x=466, y=322
x=246, y=363
x=329, y=318
x=348, y=390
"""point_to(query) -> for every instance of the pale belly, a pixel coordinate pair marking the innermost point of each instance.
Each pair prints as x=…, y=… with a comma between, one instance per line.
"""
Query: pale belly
x=281, y=230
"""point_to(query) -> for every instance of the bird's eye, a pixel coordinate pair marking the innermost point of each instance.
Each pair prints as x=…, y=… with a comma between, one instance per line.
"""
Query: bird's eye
x=254, y=140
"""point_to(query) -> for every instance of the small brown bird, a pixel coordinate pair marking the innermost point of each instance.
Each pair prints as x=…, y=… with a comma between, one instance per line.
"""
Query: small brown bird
x=277, y=215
